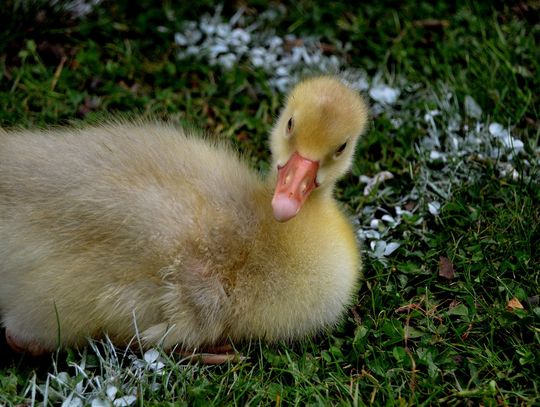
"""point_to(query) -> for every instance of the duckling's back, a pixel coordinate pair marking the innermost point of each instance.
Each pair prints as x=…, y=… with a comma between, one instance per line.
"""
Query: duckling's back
x=92, y=220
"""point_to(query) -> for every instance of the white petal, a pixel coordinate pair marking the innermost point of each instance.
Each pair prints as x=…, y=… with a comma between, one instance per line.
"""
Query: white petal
x=157, y=366
x=111, y=391
x=227, y=60
x=99, y=403
x=72, y=401
x=282, y=71
x=241, y=35
x=218, y=49
x=207, y=28
x=434, y=207
x=472, y=108
x=62, y=377
x=384, y=94
x=388, y=218
x=497, y=130
x=193, y=50
x=151, y=355
x=364, y=179
x=391, y=248
x=512, y=143
x=371, y=234
x=257, y=61
x=125, y=401
x=374, y=224
x=379, y=248
x=223, y=30
x=430, y=114
x=180, y=39
x=383, y=176
x=436, y=155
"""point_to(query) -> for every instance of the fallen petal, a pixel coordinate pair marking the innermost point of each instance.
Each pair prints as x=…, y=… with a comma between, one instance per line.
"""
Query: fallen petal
x=391, y=248
x=434, y=208
x=384, y=94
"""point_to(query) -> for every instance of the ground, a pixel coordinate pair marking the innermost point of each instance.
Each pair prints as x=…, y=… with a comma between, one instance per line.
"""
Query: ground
x=444, y=191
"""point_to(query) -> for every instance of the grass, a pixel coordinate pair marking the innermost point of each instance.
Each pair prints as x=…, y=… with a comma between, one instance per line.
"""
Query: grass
x=413, y=337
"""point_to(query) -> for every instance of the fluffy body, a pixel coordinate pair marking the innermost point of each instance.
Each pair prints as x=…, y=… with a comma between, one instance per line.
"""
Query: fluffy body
x=141, y=228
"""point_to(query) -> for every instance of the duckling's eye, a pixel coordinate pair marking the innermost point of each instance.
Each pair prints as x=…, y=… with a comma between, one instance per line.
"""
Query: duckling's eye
x=340, y=150
x=290, y=125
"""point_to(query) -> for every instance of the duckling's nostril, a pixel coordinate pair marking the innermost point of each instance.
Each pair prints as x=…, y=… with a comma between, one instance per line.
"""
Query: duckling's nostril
x=287, y=179
x=303, y=187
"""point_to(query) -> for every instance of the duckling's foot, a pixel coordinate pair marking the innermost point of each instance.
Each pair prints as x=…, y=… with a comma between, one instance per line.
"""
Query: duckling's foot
x=216, y=355
x=20, y=346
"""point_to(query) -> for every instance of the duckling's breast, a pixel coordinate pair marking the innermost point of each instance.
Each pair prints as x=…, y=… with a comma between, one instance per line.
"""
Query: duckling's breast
x=301, y=281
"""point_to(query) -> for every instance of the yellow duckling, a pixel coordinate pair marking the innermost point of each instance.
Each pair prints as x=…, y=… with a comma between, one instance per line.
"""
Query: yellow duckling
x=144, y=229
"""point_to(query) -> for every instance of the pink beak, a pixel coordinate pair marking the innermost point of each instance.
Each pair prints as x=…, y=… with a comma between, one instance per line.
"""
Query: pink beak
x=296, y=180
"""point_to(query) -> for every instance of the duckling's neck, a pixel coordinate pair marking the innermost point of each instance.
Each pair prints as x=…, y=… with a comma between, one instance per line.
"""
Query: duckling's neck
x=300, y=274
x=319, y=209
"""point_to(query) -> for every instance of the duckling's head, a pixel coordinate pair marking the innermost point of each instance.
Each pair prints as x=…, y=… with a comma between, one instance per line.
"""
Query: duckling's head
x=313, y=140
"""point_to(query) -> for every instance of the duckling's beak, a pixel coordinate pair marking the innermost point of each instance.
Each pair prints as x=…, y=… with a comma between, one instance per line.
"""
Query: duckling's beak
x=296, y=180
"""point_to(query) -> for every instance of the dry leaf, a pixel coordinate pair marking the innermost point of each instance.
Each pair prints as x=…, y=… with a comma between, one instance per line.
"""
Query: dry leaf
x=407, y=308
x=454, y=304
x=431, y=23
x=446, y=268
x=409, y=206
x=465, y=334
x=514, y=304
